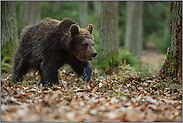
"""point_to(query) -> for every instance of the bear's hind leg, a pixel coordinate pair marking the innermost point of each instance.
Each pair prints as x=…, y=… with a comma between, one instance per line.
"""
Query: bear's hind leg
x=49, y=74
x=19, y=69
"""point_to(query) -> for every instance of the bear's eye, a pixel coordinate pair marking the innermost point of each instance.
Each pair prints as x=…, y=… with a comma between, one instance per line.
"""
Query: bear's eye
x=85, y=44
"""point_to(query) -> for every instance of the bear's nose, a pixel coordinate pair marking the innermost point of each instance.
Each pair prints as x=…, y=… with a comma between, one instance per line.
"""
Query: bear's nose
x=94, y=54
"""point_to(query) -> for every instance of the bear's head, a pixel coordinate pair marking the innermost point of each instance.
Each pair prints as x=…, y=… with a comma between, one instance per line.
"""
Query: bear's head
x=82, y=42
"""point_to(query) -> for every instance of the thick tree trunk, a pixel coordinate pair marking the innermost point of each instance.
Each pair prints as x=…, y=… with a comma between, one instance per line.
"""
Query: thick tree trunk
x=108, y=34
x=8, y=23
x=32, y=12
x=133, y=36
x=83, y=14
x=172, y=67
x=9, y=36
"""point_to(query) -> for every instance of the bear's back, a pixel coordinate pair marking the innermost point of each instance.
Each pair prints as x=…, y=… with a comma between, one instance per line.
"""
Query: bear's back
x=46, y=27
x=45, y=33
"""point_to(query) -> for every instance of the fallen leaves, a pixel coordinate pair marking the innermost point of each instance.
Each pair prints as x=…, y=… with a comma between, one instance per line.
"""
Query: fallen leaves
x=114, y=98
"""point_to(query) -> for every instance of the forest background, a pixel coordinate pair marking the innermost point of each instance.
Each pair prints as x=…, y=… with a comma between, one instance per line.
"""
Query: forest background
x=155, y=22
x=156, y=19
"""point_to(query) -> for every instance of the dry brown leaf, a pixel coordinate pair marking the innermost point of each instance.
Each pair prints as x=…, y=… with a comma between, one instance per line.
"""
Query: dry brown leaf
x=92, y=106
x=45, y=92
x=113, y=104
x=83, y=90
x=154, y=80
x=95, y=89
x=159, y=108
x=13, y=109
x=17, y=86
x=135, y=104
x=3, y=91
x=18, y=95
x=138, y=77
x=29, y=93
x=143, y=108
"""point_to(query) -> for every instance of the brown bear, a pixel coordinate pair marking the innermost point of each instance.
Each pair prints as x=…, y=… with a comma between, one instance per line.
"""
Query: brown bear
x=49, y=44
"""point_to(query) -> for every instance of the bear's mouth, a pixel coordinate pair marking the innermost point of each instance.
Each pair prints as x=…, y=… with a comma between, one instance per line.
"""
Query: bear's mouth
x=89, y=58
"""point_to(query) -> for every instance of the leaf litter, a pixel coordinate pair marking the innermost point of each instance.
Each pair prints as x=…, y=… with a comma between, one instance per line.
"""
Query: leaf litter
x=107, y=98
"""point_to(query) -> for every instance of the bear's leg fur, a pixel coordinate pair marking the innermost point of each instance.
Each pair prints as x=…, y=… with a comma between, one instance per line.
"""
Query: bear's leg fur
x=20, y=68
x=49, y=73
x=87, y=72
x=82, y=68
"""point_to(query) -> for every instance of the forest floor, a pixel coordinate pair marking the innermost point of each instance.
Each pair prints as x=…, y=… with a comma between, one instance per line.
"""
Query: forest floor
x=121, y=97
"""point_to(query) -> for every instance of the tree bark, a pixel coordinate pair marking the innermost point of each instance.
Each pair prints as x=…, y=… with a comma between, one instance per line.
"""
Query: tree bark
x=108, y=32
x=9, y=35
x=172, y=68
x=83, y=14
x=133, y=36
x=8, y=23
x=32, y=12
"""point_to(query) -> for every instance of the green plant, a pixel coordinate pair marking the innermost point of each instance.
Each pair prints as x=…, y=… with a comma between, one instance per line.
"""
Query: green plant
x=144, y=71
x=128, y=56
x=5, y=67
x=126, y=69
x=7, y=52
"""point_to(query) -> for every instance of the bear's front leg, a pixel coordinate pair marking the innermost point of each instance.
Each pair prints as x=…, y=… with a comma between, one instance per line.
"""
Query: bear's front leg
x=82, y=68
x=87, y=72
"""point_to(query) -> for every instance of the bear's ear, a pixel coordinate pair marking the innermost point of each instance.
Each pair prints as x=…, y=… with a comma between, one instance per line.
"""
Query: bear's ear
x=90, y=28
x=74, y=29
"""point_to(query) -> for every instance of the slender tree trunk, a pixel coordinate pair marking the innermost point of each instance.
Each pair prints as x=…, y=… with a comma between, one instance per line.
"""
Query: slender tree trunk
x=133, y=36
x=108, y=33
x=83, y=14
x=32, y=12
x=96, y=6
x=96, y=12
x=173, y=64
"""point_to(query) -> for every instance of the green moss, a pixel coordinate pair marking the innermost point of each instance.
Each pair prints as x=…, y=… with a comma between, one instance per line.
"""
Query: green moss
x=7, y=52
x=112, y=59
x=171, y=60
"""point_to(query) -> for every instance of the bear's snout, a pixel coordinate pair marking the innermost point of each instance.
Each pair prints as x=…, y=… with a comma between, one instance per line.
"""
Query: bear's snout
x=94, y=54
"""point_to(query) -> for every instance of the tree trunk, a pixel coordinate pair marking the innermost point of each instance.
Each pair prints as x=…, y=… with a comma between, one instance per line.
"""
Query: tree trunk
x=108, y=51
x=133, y=36
x=172, y=67
x=8, y=23
x=83, y=14
x=9, y=36
x=32, y=12
x=96, y=12
x=96, y=6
